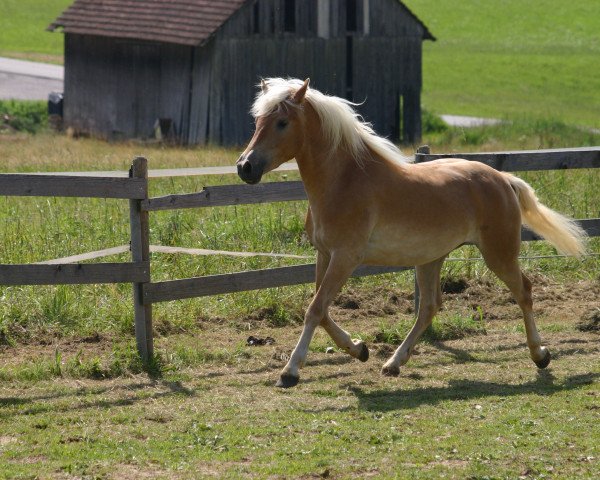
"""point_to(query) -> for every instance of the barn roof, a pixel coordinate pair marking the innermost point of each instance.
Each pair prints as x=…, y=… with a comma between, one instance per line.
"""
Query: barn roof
x=427, y=35
x=184, y=22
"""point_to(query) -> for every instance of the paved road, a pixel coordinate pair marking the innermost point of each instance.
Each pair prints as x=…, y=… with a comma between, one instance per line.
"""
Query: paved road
x=463, y=121
x=21, y=80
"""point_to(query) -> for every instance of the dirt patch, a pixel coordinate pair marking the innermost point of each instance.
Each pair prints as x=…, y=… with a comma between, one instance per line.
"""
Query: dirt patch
x=362, y=303
x=454, y=285
x=590, y=321
x=6, y=440
x=358, y=309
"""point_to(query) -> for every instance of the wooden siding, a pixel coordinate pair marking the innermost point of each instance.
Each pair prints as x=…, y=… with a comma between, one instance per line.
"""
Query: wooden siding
x=379, y=79
x=118, y=88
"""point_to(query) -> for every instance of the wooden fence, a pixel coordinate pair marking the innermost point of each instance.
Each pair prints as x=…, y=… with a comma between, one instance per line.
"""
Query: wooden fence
x=135, y=189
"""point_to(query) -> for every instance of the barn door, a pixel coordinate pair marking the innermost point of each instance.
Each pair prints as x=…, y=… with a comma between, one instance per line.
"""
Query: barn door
x=138, y=88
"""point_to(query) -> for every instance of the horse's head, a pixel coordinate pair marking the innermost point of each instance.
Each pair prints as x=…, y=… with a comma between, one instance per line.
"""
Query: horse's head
x=279, y=132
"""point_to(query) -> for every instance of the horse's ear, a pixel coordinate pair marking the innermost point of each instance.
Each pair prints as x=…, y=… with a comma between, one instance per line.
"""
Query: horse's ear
x=301, y=93
x=263, y=85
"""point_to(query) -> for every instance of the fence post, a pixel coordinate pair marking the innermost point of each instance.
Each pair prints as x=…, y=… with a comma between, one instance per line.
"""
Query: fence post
x=140, y=252
x=422, y=149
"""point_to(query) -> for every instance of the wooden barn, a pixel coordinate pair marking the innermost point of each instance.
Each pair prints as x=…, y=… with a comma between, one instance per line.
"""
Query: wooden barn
x=194, y=64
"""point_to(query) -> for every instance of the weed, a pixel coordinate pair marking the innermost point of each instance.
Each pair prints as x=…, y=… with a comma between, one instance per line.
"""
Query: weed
x=442, y=328
x=432, y=123
x=455, y=327
x=56, y=366
x=23, y=115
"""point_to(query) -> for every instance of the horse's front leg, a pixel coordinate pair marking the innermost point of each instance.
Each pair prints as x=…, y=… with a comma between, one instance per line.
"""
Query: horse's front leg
x=355, y=348
x=339, y=268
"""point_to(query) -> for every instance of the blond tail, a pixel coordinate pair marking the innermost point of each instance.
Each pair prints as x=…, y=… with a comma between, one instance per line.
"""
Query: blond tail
x=562, y=232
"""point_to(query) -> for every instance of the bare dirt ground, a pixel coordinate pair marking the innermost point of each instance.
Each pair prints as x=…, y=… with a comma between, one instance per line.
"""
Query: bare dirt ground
x=562, y=310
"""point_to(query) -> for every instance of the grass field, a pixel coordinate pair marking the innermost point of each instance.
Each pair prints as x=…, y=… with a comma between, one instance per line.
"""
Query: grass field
x=75, y=401
x=512, y=58
x=23, y=30
x=499, y=59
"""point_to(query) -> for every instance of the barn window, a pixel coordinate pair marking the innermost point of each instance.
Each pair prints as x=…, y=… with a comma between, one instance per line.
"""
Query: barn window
x=351, y=15
x=271, y=21
x=289, y=16
x=256, y=18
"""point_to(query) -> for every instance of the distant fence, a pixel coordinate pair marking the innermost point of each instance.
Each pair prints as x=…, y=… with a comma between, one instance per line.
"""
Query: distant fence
x=135, y=189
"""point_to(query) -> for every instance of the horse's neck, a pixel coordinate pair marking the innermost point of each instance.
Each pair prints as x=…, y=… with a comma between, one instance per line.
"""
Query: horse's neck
x=319, y=166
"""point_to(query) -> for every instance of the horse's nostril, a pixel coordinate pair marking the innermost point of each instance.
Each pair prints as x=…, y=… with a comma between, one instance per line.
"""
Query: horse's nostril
x=246, y=168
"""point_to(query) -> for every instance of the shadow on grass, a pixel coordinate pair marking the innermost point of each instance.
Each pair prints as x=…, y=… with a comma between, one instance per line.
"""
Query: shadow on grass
x=460, y=355
x=39, y=403
x=463, y=356
x=399, y=399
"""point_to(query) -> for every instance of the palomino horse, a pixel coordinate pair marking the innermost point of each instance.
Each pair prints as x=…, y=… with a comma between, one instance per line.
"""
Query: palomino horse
x=368, y=205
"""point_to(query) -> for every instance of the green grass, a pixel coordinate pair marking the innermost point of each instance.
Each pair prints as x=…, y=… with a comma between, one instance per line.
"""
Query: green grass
x=444, y=327
x=23, y=116
x=505, y=60
x=23, y=32
x=512, y=58
x=76, y=401
x=489, y=416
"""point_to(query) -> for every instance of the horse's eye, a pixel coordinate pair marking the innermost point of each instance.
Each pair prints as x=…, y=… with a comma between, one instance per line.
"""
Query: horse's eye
x=281, y=124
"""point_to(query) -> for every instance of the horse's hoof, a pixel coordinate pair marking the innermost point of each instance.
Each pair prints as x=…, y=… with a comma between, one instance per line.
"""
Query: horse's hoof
x=392, y=371
x=544, y=362
x=287, y=381
x=364, y=353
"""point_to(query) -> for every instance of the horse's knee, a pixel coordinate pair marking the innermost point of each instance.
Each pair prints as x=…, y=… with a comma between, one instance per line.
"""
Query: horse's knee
x=430, y=306
x=314, y=316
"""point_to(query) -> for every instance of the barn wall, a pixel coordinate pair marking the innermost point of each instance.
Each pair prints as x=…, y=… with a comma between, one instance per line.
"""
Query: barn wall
x=237, y=65
x=118, y=88
x=89, y=85
x=390, y=18
x=382, y=69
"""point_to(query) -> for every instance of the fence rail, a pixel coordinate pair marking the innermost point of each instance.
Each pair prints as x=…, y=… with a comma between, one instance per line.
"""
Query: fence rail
x=29, y=185
x=525, y=160
x=74, y=274
x=225, y=195
x=137, y=272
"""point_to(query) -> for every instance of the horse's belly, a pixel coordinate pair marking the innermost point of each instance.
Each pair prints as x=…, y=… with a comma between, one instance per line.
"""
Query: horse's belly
x=402, y=248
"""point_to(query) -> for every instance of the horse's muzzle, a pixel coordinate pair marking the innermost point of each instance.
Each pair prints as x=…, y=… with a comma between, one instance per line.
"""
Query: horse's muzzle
x=250, y=170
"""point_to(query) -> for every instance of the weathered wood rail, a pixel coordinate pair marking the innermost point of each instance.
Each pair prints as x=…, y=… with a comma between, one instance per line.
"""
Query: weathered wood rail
x=137, y=272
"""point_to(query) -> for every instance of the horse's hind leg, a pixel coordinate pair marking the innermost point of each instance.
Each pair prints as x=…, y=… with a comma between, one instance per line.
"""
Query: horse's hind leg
x=509, y=272
x=430, y=301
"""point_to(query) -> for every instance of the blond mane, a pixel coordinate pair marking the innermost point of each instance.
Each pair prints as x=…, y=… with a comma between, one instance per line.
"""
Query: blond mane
x=342, y=125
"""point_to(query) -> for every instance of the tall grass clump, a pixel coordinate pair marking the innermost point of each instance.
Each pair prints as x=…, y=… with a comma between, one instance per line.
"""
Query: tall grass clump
x=432, y=123
x=443, y=328
x=519, y=132
x=23, y=116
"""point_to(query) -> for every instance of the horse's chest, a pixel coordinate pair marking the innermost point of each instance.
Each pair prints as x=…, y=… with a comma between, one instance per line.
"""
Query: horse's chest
x=328, y=234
